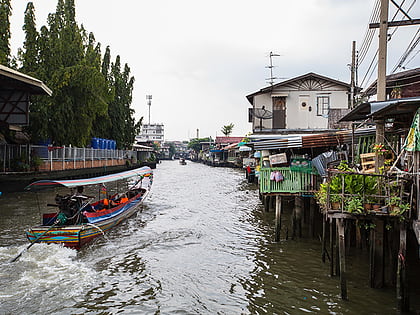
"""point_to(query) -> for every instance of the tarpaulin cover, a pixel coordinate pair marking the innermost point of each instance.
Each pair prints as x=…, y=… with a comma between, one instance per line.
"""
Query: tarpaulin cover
x=412, y=142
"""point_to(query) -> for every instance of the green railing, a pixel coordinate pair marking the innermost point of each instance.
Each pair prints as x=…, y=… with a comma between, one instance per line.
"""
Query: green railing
x=294, y=181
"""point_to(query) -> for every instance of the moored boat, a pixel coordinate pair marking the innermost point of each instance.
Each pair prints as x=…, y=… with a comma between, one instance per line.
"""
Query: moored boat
x=78, y=218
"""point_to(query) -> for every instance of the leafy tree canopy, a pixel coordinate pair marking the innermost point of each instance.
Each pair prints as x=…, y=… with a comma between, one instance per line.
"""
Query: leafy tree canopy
x=195, y=144
x=227, y=129
x=91, y=96
x=5, y=13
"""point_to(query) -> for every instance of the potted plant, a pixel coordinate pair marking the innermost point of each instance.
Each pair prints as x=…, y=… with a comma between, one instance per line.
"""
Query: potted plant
x=400, y=209
x=368, y=203
x=394, y=203
x=354, y=204
x=321, y=195
x=335, y=200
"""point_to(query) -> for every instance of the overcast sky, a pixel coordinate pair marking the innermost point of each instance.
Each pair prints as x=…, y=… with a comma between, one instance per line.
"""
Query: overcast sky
x=199, y=59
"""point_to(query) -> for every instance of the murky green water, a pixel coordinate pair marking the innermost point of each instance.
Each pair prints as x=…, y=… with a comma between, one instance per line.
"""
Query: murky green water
x=201, y=245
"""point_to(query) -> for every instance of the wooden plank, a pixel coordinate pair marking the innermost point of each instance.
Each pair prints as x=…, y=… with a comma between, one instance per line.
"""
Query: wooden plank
x=312, y=205
x=332, y=239
x=324, y=241
x=402, y=282
x=377, y=255
x=278, y=218
x=297, y=217
x=342, y=258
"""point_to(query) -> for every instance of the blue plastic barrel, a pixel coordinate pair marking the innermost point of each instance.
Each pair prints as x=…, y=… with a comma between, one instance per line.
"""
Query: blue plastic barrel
x=45, y=142
x=94, y=143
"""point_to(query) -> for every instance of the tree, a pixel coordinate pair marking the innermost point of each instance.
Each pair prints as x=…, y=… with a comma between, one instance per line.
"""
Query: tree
x=5, y=13
x=123, y=126
x=227, y=130
x=91, y=96
x=172, y=150
x=102, y=124
x=29, y=55
x=195, y=144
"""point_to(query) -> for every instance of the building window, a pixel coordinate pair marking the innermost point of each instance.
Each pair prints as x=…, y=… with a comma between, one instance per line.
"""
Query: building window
x=323, y=105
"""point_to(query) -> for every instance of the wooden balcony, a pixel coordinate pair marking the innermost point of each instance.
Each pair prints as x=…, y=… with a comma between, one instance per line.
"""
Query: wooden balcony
x=294, y=181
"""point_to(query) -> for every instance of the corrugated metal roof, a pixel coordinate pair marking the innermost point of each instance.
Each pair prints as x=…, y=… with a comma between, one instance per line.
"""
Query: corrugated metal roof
x=312, y=140
x=383, y=109
x=231, y=146
x=36, y=86
x=286, y=142
x=228, y=140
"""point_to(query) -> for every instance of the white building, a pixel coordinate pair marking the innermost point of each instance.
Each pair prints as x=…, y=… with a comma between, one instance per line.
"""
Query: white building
x=309, y=102
x=151, y=133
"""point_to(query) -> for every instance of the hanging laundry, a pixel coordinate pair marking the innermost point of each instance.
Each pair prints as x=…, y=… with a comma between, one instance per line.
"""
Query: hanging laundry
x=273, y=175
x=279, y=176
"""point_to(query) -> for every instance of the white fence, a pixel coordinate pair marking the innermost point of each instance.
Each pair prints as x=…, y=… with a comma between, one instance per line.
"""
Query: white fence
x=18, y=158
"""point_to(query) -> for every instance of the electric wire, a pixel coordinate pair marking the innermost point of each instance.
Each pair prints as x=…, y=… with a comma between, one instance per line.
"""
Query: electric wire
x=374, y=59
x=367, y=41
x=413, y=44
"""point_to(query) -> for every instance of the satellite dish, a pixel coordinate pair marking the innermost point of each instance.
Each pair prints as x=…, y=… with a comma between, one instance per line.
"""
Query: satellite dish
x=262, y=113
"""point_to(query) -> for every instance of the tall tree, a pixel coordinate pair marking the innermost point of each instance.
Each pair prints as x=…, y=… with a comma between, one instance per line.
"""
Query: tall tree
x=227, y=129
x=102, y=124
x=28, y=56
x=91, y=96
x=5, y=13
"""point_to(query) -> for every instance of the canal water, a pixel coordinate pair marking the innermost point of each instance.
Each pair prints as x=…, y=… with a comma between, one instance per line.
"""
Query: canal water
x=201, y=245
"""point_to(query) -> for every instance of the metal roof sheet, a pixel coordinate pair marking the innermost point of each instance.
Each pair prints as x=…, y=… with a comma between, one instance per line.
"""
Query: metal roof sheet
x=38, y=87
x=312, y=140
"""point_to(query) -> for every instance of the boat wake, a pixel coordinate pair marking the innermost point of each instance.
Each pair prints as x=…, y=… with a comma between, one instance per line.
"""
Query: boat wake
x=43, y=272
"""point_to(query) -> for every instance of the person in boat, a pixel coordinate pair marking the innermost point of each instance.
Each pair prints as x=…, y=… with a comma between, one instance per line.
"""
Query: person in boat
x=105, y=202
x=120, y=199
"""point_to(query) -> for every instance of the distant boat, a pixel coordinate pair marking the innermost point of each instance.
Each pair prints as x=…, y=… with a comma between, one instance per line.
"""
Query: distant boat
x=182, y=162
x=78, y=220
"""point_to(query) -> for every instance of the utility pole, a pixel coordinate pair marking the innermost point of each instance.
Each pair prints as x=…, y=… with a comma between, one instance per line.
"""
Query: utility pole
x=377, y=271
x=381, y=82
x=353, y=74
x=382, y=54
x=149, y=102
x=383, y=40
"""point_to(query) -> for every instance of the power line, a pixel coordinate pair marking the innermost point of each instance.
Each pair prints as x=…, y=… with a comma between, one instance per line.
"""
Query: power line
x=414, y=42
x=374, y=59
x=367, y=40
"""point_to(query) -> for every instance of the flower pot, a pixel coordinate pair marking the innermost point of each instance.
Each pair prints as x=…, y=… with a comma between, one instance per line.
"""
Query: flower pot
x=335, y=205
x=376, y=207
x=367, y=206
x=394, y=208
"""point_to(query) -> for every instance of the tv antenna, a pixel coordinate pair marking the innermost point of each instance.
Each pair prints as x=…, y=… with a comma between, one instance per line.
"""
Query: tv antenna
x=272, y=78
x=149, y=102
x=262, y=113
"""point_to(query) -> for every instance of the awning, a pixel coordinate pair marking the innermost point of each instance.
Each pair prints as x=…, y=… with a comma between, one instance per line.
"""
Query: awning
x=244, y=148
x=384, y=109
x=143, y=148
x=71, y=183
x=231, y=146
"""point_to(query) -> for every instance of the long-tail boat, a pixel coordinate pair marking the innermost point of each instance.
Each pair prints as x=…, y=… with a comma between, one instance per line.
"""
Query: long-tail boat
x=77, y=218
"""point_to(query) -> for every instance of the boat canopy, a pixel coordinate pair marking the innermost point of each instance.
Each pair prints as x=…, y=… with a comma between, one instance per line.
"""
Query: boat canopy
x=71, y=183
